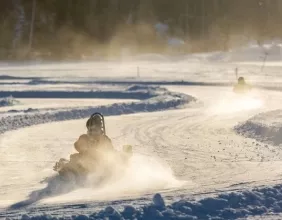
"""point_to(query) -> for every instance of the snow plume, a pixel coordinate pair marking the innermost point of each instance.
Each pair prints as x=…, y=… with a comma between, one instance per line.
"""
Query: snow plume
x=55, y=186
x=141, y=174
x=229, y=103
x=114, y=177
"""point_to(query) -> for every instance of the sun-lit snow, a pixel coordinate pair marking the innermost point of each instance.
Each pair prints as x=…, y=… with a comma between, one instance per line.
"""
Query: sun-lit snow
x=201, y=152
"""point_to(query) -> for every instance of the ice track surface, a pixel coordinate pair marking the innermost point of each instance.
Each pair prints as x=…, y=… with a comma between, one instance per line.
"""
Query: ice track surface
x=197, y=142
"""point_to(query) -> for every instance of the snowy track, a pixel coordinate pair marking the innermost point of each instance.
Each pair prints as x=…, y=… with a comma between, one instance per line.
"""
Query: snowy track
x=202, y=147
x=193, y=152
x=197, y=142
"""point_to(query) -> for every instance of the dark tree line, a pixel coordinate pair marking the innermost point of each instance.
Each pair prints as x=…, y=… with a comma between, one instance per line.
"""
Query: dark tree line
x=63, y=27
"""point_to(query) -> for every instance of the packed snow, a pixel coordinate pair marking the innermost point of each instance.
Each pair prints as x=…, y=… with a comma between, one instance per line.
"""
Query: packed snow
x=200, y=151
x=8, y=101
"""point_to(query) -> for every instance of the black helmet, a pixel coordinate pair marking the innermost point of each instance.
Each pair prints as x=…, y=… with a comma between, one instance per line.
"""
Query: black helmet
x=96, y=122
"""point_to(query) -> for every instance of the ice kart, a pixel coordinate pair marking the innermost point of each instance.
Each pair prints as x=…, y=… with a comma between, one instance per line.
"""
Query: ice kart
x=242, y=87
x=96, y=163
x=96, y=156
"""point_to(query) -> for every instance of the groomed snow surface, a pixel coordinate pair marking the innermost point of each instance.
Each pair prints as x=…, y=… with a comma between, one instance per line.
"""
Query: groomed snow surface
x=222, y=150
x=232, y=204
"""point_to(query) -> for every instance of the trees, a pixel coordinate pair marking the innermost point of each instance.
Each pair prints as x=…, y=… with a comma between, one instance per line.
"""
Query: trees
x=100, y=20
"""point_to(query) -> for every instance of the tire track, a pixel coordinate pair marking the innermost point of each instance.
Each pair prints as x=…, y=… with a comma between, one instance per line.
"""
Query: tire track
x=204, y=148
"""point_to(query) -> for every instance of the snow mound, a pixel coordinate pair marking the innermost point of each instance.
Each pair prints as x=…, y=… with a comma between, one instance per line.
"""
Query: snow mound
x=146, y=88
x=8, y=101
x=232, y=205
x=264, y=127
x=141, y=95
x=152, y=99
x=8, y=77
x=25, y=110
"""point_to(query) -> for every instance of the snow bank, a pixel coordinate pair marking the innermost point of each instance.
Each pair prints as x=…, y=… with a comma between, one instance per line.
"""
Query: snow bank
x=80, y=94
x=252, y=52
x=8, y=77
x=264, y=127
x=232, y=205
x=271, y=51
x=152, y=99
x=8, y=101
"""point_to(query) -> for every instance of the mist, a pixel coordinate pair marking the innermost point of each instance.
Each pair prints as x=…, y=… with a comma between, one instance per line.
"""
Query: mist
x=95, y=30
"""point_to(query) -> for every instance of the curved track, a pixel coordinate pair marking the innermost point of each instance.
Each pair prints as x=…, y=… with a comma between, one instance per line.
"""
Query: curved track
x=197, y=142
x=200, y=145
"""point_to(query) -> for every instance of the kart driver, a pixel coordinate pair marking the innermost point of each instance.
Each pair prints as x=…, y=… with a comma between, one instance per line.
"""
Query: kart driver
x=241, y=86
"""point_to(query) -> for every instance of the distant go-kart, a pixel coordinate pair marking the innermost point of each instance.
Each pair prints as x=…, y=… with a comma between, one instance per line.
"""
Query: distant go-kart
x=242, y=87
